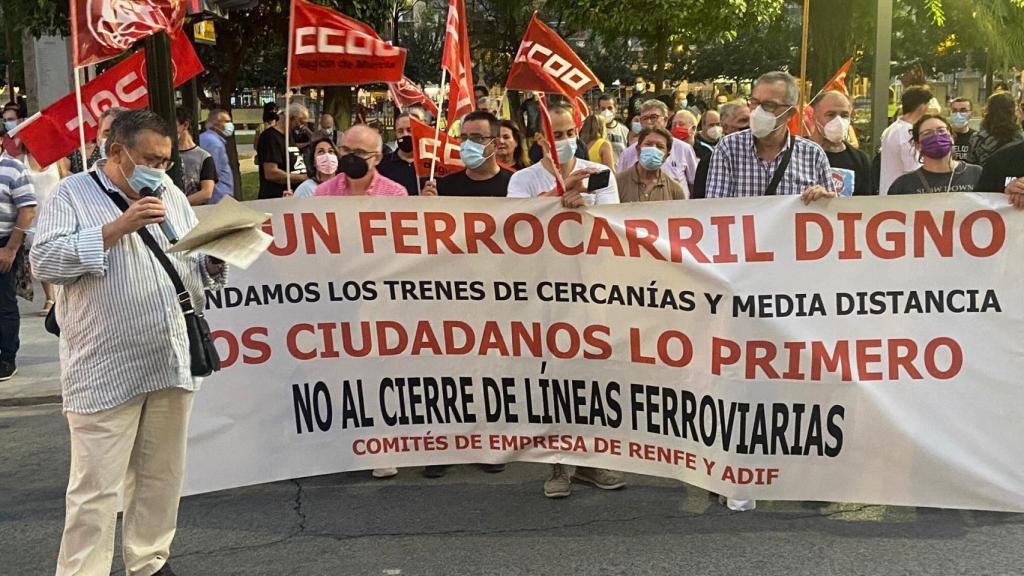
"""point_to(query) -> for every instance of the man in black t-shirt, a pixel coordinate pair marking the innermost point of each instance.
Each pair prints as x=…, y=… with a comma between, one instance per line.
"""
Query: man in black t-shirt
x=483, y=177
x=398, y=165
x=851, y=168
x=959, y=119
x=276, y=167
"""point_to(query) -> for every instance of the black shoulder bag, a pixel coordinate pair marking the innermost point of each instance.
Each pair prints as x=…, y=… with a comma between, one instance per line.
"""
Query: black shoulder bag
x=203, y=353
x=781, y=169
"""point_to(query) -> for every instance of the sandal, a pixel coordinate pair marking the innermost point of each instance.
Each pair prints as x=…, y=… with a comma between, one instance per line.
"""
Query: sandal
x=46, y=308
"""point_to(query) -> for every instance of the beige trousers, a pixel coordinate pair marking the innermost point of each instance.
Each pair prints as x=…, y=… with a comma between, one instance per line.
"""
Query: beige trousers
x=139, y=445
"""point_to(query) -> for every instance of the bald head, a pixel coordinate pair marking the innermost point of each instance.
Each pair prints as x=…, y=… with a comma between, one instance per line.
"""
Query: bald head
x=365, y=142
x=826, y=107
x=362, y=137
x=830, y=98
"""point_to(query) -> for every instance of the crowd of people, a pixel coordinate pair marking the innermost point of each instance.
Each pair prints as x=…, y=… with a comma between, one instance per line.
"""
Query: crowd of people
x=128, y=394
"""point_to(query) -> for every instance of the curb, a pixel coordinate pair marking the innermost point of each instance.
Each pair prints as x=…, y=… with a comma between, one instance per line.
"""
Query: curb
x=30, y=401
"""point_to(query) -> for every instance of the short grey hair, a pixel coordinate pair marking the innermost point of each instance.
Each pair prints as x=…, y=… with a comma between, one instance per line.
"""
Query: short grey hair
x=792, y=90
x=652, y=104
x=212, y=116
x=113, y=112
x=295, y=109
x=726, y=111
x=489, y=103
x=127, y=126
x=685, y=112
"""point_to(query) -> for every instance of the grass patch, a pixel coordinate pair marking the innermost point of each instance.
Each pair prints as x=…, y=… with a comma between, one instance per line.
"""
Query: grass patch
x=244, y=139
x=250, y=185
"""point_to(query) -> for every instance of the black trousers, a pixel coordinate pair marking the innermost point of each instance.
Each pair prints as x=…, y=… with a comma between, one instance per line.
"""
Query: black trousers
x=10, y=317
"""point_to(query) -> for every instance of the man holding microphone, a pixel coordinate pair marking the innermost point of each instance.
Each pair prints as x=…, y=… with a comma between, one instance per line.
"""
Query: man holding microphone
x=126, y=369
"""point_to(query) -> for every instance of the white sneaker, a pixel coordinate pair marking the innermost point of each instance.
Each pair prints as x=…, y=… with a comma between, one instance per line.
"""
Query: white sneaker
x=737, y=505
x=385, y=472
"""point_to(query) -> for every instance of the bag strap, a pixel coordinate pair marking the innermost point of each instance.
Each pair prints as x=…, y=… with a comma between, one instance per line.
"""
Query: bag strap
x=777, y=177
x=184, y=298
x=924, y=182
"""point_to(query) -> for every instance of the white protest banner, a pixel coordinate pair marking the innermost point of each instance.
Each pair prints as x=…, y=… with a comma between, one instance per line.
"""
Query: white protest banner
x=858, y=350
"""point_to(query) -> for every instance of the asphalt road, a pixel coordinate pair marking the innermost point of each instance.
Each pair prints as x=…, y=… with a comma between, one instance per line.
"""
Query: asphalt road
x=479, y=524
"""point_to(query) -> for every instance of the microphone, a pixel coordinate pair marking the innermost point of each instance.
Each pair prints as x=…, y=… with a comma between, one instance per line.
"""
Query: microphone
x=165, y=226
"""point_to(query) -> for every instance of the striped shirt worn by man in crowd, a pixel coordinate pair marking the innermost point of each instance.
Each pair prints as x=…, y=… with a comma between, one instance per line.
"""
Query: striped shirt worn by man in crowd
x=17, y=210
x=744, y=163
x=124, y=352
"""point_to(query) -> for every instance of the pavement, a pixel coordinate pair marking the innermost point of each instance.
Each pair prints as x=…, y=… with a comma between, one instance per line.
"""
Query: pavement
x=472, y=523
x=38, y=377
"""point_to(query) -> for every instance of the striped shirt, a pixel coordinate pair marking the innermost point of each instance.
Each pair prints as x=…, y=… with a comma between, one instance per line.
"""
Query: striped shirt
x=122, y=330
x=736, y=170
x=16, y=192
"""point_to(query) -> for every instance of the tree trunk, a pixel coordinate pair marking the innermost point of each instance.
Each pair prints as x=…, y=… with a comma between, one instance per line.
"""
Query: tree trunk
x=831, y=40
x=338, y=103
x=660, y=59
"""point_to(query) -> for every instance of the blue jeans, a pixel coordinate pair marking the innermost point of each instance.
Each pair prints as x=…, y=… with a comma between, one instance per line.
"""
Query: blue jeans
x=10, y=316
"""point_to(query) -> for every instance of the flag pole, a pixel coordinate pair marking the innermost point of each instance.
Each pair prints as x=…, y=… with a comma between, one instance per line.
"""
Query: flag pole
x=288, y=101
x=73, y=8
x=81, y=119
x=437, y=124
x=803, y=65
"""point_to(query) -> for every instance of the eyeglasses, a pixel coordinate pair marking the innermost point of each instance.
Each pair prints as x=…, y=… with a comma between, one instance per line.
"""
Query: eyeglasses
x=767, y=105
x=477, y=138
x=651, y=117
x=364, y=154
x=926, y=133
x=154, y=162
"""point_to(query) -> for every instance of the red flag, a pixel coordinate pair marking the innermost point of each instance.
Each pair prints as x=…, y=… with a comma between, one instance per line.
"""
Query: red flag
x=53, y=133
x=405, y=94
x=455, y=59
x=544, y=58
x=424, y=148
x=838, y=81
x=331, y=49
x=103, y=29
x=580, y=111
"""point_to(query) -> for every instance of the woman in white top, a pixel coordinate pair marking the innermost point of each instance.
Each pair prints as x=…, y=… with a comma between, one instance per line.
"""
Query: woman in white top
x=325, y=162
x=44, y=182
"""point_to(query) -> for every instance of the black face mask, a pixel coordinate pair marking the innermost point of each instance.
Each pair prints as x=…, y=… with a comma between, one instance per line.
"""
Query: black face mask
x=405, y=144
x=353, y=166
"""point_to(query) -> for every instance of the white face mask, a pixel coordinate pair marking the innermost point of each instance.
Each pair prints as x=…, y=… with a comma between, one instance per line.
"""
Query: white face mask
x=715, y=133
x=762, y=122
x=640, y=86
x=607, y=116
x=835, y=130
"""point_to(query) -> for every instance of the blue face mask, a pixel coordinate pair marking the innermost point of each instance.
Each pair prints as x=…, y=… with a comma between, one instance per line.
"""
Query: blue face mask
x=229, y=129
x=143, y=177
x=10, y=125
x=637, y=127
x=472, y=154
x=651, y=158
x=959, y=119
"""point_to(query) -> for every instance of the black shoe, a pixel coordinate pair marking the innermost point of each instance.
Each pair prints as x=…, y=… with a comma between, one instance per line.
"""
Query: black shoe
x=7, y=370
x=165, y=570
x=492, y=468
x=435, y=471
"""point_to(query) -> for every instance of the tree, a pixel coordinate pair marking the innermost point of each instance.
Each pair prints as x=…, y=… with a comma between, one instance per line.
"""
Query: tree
x=661, y=25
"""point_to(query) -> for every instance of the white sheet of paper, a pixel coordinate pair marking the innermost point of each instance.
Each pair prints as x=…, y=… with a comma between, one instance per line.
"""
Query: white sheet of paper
x=228, y=231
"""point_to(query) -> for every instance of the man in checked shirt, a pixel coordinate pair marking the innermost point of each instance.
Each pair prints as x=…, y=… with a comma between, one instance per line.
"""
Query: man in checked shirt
x=746, y=163
x=126, y=373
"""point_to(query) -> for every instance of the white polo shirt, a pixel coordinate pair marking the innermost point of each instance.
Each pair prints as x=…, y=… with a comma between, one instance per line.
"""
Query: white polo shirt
x=533, y=181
